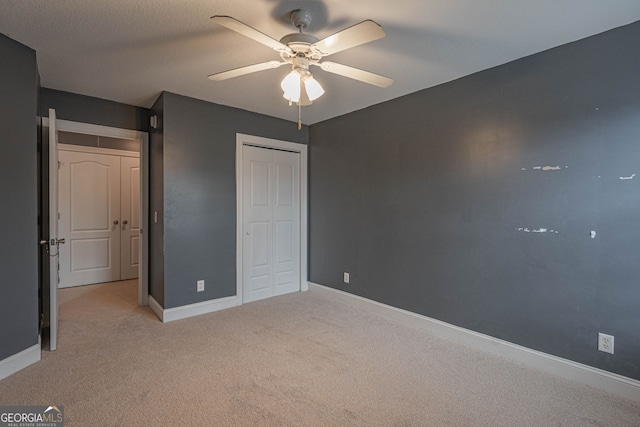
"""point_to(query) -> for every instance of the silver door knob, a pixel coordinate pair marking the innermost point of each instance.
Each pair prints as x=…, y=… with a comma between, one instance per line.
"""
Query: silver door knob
x=124, y=222
x=116, y=222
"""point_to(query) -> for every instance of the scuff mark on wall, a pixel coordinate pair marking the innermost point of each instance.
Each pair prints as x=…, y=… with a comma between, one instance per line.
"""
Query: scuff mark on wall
x=546, y=168
x=628, y=177
x=536, y=230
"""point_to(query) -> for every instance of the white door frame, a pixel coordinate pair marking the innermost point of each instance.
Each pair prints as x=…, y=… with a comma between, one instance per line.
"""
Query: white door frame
x=97, y=150
x=54, y=243
x=143, y=138
x=257, y=141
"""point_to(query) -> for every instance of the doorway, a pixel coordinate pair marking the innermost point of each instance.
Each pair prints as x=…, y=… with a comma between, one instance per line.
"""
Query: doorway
x=271, y=231
x=141, y=144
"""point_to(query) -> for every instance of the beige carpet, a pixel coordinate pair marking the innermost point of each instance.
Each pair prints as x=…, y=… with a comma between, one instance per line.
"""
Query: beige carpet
x=301, y=359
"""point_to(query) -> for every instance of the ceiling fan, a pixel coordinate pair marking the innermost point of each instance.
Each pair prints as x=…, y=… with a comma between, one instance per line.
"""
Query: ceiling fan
x=301, y=51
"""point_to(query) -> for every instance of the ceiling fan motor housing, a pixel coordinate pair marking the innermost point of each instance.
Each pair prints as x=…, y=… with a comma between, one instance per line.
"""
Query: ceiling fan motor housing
x=299, y=43
x=301, y=18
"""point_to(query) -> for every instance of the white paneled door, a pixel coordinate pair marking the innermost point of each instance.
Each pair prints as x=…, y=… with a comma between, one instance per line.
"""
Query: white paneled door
x=271, y=223
x=130, y=217
x=99, y=202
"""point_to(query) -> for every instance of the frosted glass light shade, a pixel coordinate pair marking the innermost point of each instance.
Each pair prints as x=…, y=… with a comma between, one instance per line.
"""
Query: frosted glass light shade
x=313, y=88
x=291, y=86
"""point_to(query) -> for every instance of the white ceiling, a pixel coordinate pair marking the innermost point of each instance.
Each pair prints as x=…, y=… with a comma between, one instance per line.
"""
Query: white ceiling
x=131, y=50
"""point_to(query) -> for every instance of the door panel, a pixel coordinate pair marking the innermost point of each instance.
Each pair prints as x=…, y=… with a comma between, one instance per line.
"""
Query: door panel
x=130, y=215
x=90, y=254
x=257, y=212
x=284, y=242
x=286, y=218
x=90, y=194
x=259, y=181
x=284, y=185
x=135, y=251
x=271, y=225
x=89, y=205
x=260, y=238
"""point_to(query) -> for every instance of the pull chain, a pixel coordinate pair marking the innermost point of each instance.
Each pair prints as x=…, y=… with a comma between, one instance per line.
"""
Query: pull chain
x=299, y=116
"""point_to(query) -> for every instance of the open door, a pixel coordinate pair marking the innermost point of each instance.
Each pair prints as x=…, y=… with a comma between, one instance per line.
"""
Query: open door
x=54, y=242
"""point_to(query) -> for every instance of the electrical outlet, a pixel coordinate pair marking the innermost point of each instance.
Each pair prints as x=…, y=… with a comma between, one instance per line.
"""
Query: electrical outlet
x=346, y=277
x=200, y=285
x=155, y=216
x=605, y=343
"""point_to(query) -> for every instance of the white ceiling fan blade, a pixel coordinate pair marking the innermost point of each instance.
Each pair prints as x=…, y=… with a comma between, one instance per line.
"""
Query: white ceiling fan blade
x=356, y=74
x=364, y=32
x=245, y=70
x=252, y=33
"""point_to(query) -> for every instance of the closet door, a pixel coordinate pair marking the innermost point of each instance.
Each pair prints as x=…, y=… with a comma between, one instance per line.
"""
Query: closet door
x=271, y=223
x=130, y=217
x=89, y=209
x=286, y=222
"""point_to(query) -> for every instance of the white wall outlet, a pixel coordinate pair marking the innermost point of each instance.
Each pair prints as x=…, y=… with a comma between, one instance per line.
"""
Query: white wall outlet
x=155, y=216
x=346, y=277
x=200, y=285
x=605, y=343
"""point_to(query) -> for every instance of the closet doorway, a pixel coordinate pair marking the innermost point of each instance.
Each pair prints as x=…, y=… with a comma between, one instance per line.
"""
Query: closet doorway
x=271, y=222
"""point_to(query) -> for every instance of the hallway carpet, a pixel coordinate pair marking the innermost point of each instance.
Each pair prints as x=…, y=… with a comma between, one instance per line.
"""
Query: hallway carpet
x=302, y=359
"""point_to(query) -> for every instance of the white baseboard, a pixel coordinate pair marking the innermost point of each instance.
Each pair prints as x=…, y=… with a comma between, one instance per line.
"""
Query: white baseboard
x=190, y=310
x=156, y=307
x=18, y=361
x=584, y=374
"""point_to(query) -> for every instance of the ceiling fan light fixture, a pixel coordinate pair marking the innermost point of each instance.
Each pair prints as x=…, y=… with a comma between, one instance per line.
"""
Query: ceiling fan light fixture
x=297, y=86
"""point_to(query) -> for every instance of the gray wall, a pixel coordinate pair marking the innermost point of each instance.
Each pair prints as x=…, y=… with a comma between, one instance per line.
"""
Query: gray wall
x=87, y=109
x=156, y=203
x=424, y=200
x=18, y=192
x=199, y=194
